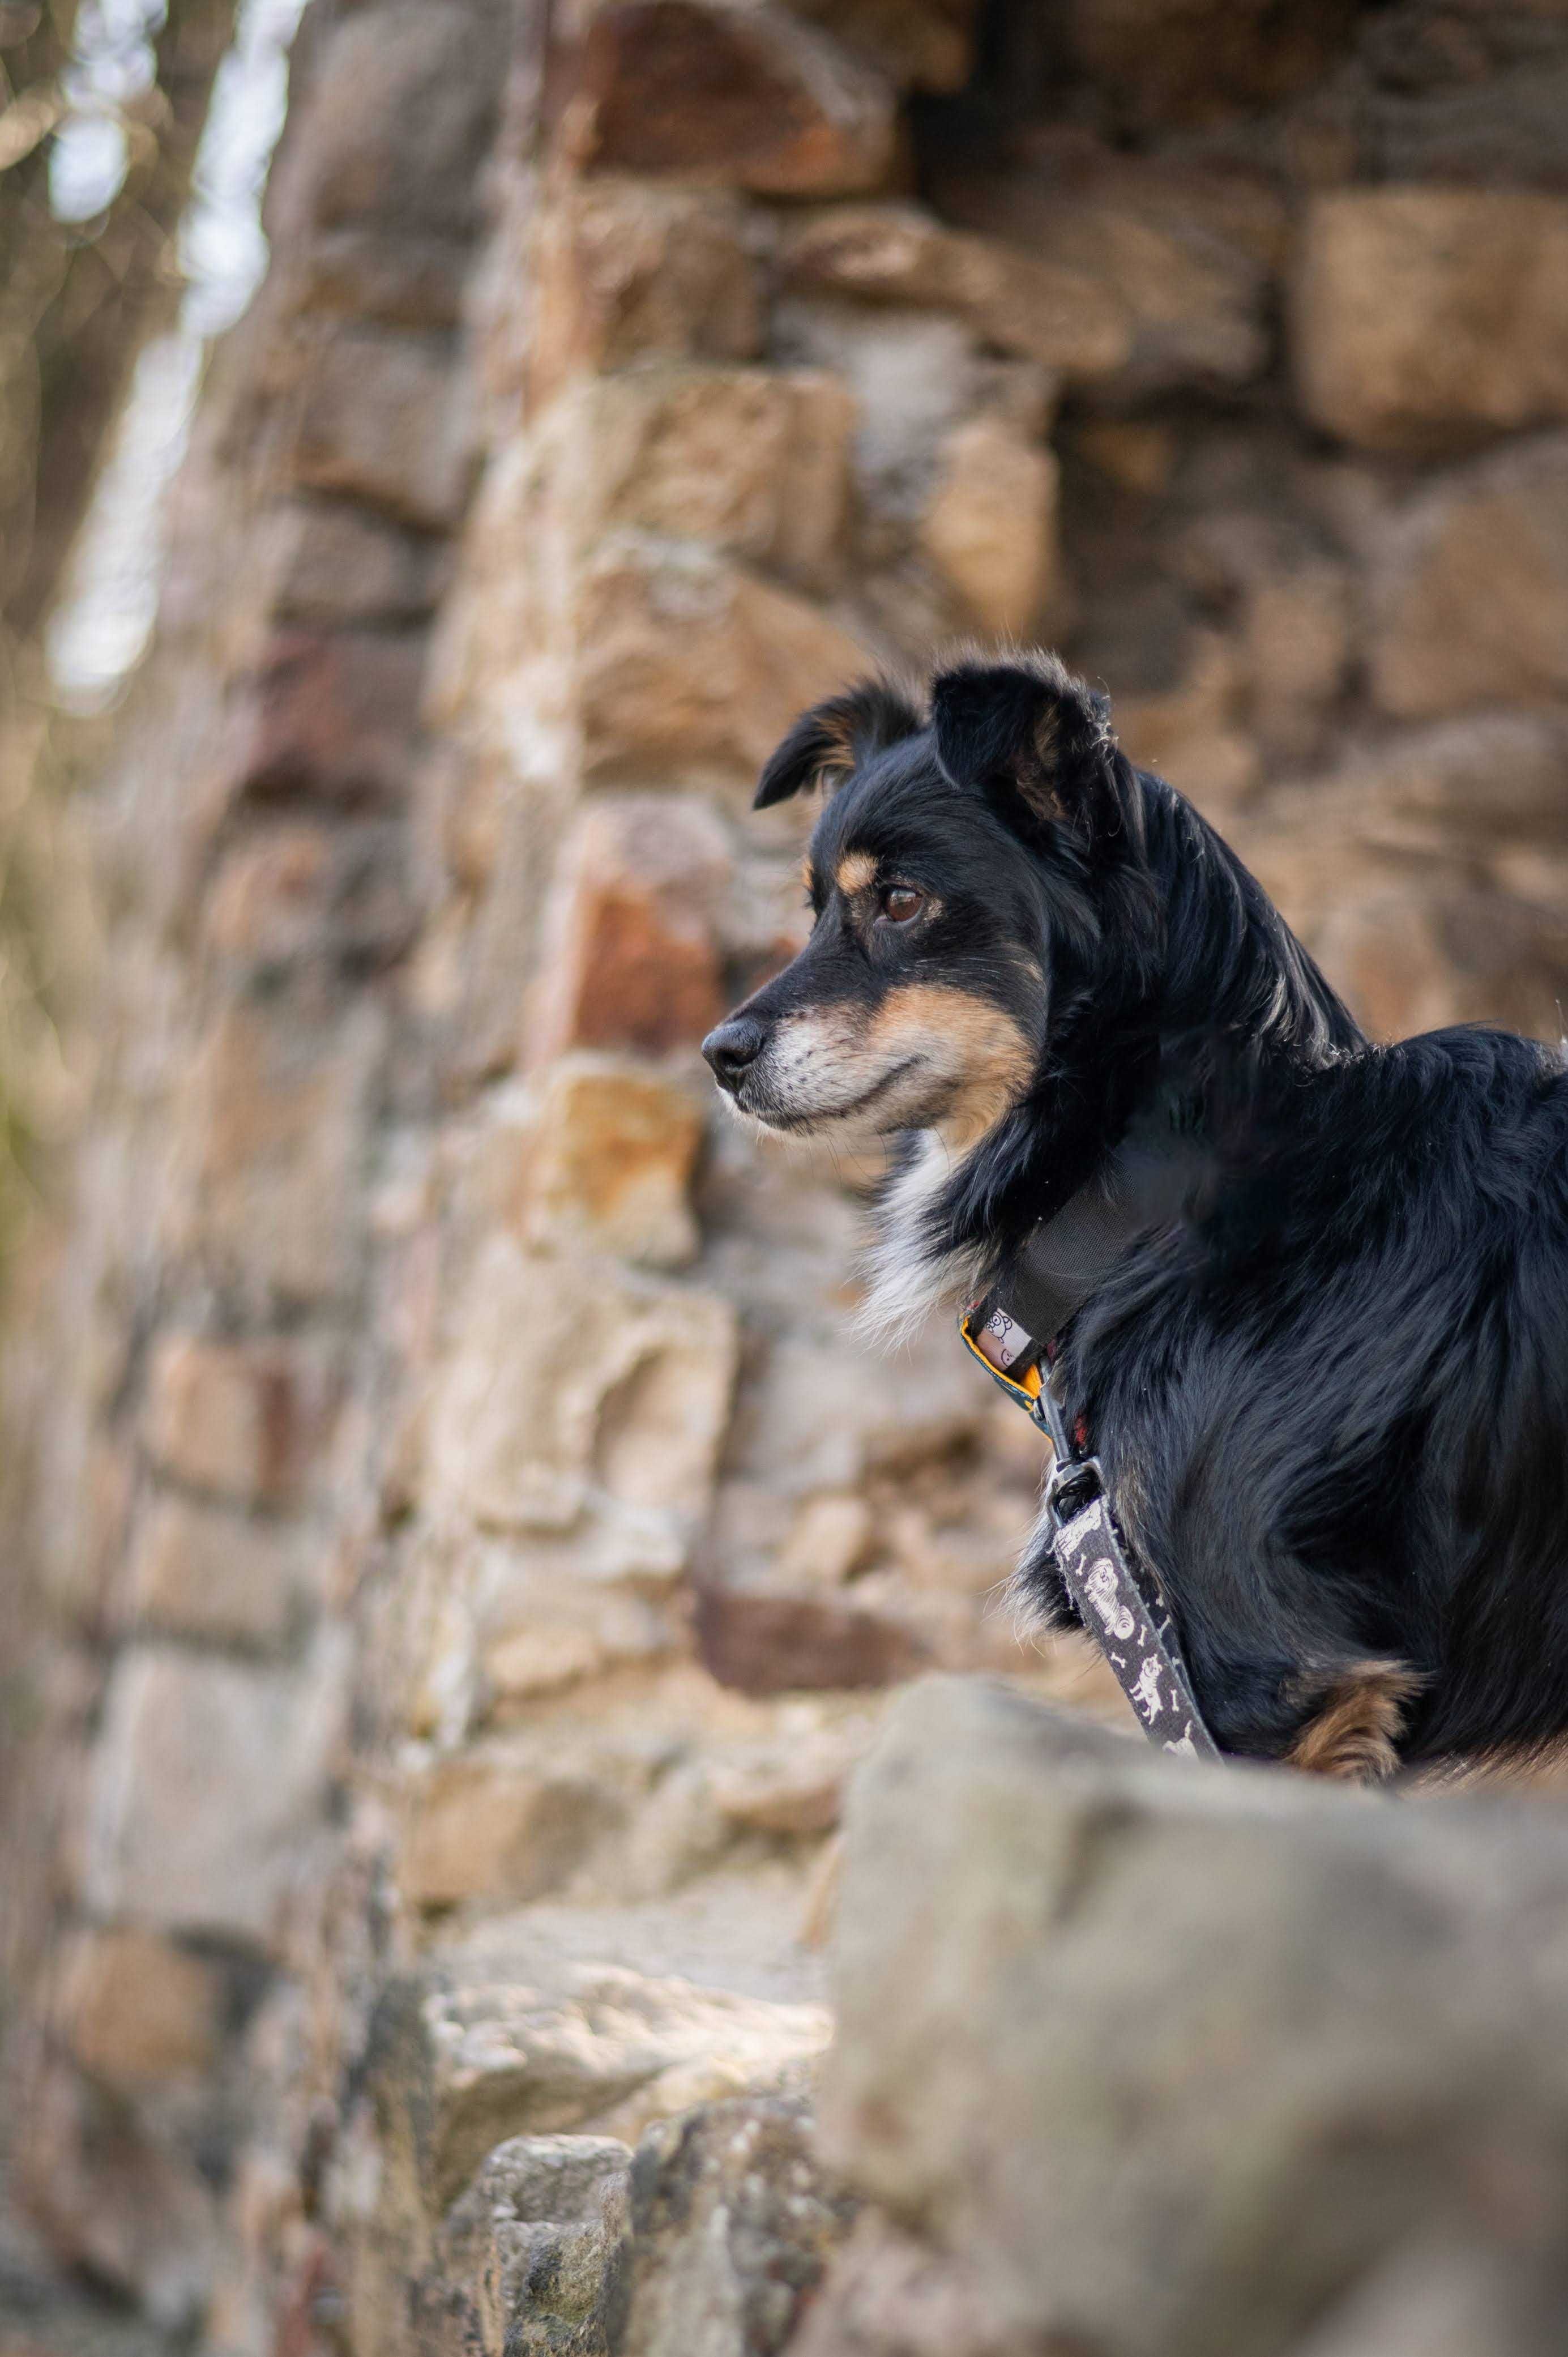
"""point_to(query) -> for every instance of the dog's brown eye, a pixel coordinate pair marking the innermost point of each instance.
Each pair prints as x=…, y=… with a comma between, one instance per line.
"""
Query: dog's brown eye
x=900, y=902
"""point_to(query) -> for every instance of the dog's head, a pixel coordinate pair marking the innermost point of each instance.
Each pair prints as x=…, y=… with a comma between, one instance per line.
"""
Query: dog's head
x=951, y=866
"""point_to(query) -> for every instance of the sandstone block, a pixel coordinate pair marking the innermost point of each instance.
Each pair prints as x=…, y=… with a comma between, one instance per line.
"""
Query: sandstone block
x=385, y=419
x=1177, y=2057
x=1470, y=589
x=830, y=1538
x=1446, y=950
x=990, y=529
x=328, y=714
x=612, y=1162
x=609, y=1446
x=754, y=461
x=401, y=279
x=632, y=958
x=693, y=668
x=200, y=1571
x=136, y=2011
x=764, y=1643
x=247, y=1421
x=280, y=1109
x=531, y=2247
x=598, y=2047
x=732, y=2222
x=749, y=97
x=898, y=253
x=1193, y=61
x=206, y=1785
x=1425, y=317
x=627, y=270
x=485, y=1825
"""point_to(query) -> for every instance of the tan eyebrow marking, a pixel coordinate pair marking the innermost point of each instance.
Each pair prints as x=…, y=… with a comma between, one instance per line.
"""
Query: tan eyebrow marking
x=856, y=872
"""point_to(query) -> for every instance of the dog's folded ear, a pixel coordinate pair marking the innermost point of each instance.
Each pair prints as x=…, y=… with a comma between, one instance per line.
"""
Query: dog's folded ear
x=1028, y=728
x=828, y=743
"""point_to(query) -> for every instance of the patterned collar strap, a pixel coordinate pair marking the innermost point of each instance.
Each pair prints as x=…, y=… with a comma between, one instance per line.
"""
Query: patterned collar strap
x=1117, y=1600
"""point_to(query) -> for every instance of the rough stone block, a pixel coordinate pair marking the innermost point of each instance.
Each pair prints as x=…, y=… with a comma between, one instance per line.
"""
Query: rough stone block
x=486, y=1825
x=1425, y=317
x=612, y=1162
x=624, y=270
x=990, y=529
x=1470, y=589
x=745, y=96
x=764, y=1643
x=919, y=43
x=632, y=958
x=531, y=2246
x=247, y=1421
x=732, y=2222
x=594, y=2046
x=1178, y=2057
x=207, y=1783
x=401, y=279
x=279, y=1107
x=385, y=418
x=692, y=668
x=754, y=461
x=329, y=714
x=136, y=2011
x=609, y=1443
x=898, y=253
x=200, y=1571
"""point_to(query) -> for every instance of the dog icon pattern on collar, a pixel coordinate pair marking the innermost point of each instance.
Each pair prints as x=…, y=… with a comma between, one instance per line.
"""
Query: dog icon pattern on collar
x=1129, y=1635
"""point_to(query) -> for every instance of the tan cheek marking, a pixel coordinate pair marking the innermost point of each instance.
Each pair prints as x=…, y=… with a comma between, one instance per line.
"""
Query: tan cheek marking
x=993, y=1052
x=856, y=872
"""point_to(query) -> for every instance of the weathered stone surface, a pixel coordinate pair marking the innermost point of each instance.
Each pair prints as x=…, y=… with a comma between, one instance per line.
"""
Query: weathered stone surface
x=732, y=2221
x=1178, y=2056
x=328, y=714
x=396, y=279
x=1413, y=959
x=138, y=2012
x=1470, y=589
x=747, y=96
x=533, y=2241
x=247, y=1421
x=1422, y=317
x=1183, y=62
x=1187, y=256
x=764, y=1643
x=202, y=1571
x=751, y=460
x=631, y=956
x=612, y=1162
x=1024, y=303
x=693, y=668
x=990, y=529
x=1192, y=732
x=280, y=1107
x=487, y=1826
x=207, y=1781
x=609, y=1448
x=625, y=270
x=384, y=418
x=885, y=2294
x=600, y=2048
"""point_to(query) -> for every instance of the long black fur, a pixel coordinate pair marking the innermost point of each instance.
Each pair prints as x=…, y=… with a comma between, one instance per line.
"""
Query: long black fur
x=1332, y=1403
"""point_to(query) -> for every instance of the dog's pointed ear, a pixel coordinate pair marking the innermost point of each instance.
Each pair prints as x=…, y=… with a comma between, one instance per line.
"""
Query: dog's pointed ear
x=1028, y=729
x=830, y=741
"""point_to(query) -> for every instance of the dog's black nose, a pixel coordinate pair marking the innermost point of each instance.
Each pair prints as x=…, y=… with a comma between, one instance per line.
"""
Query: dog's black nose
x=733, y=1048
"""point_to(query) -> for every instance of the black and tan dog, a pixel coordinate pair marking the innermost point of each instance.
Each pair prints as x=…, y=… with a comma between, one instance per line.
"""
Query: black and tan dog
x=1331, y=1398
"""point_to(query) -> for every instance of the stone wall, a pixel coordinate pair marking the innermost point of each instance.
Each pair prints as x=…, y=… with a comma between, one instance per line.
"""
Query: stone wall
x=475, y=1546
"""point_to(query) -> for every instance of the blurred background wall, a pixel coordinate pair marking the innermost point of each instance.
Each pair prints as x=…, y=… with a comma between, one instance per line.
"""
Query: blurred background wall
x=457, y=1545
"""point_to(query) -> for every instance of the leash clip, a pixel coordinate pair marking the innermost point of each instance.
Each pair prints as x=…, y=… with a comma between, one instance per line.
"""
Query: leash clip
x=1072, y=1483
